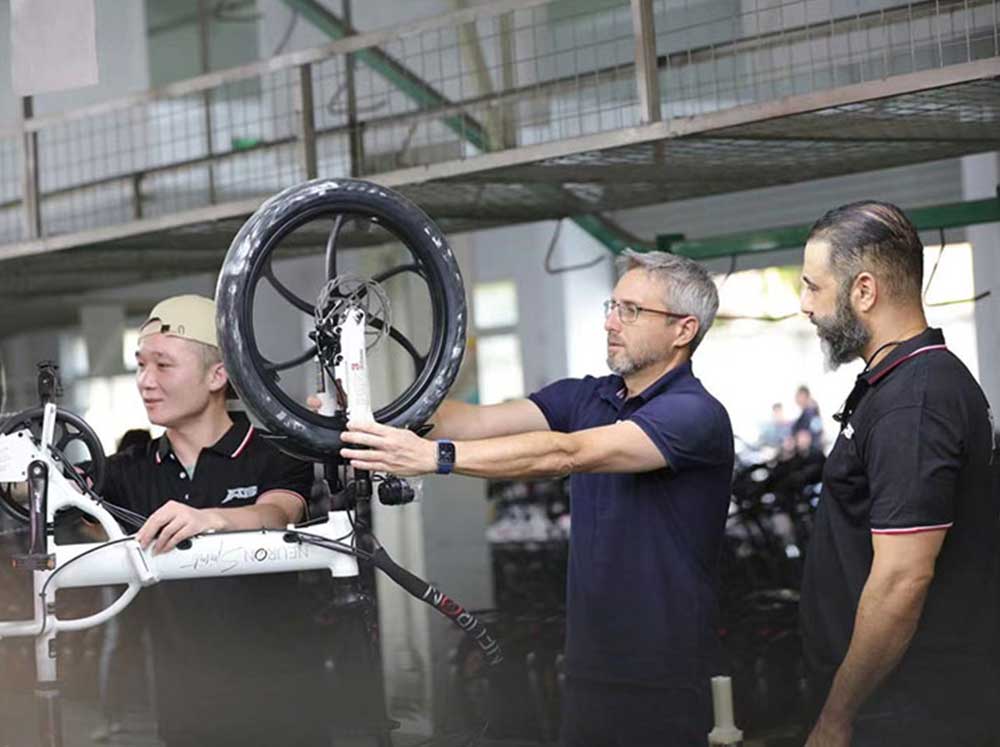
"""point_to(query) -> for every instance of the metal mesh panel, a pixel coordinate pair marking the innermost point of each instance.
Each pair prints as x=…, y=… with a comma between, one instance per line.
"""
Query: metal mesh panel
x=930, y=125
x=535, y=76
x=332, y=100
x=170, y=154
x=514, y=79
x=941, y=123
x=721, y=54
x=11, y=221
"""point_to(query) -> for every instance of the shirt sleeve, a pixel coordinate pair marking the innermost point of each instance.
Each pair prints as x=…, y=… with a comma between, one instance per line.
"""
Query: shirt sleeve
x=691, y=432
x=913, y=457
x=557, y=402
x=114, y=490
x=288, y=474
x=117, y=490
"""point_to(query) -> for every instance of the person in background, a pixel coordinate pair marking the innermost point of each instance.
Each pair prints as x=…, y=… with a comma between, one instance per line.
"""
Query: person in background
x=809, y=417
x=776, y=430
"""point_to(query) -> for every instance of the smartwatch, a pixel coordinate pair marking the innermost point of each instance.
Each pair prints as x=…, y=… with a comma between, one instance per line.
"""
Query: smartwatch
x=445, y=457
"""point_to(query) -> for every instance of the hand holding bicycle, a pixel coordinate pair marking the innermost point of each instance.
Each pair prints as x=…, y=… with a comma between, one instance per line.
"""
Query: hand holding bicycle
x=395, y=450
x=175, y=522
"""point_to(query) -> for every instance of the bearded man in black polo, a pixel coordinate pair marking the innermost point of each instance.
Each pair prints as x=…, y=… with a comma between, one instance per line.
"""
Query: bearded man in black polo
x=231, y=664
x=899, y=595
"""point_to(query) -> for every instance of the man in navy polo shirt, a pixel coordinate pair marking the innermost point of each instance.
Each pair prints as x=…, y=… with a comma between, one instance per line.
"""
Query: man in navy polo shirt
x=232, y=660
x=651, y=453
x=899, y=595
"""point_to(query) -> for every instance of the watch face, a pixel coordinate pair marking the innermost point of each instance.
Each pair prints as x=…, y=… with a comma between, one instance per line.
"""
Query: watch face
x=446, y=452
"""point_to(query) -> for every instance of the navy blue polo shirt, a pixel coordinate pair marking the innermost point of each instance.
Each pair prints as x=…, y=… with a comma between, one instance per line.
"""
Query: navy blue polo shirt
x=644, y=549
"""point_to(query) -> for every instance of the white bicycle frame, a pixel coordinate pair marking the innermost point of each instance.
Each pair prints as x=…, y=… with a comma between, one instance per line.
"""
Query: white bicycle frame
x=211, y=555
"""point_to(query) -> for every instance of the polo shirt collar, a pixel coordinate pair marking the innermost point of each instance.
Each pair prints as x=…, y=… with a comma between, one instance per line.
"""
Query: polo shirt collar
x=231, y=445
x=930, y=339
x=614, y=389
x=162, y=448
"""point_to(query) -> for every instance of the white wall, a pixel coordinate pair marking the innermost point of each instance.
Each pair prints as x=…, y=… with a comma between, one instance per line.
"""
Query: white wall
x=517, y=253
x=981, y=179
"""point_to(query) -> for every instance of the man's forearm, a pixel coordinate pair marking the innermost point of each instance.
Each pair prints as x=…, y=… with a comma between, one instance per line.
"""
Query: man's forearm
x=258, y=516
x=451, y=421
x=460, y=421
x=530, y=455
x=888, y=613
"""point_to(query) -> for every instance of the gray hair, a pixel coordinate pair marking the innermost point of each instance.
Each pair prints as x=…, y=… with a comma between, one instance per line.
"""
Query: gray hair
x=688, y=288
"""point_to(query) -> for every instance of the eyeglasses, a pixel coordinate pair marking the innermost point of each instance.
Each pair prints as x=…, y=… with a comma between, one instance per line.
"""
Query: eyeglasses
x=628, y=313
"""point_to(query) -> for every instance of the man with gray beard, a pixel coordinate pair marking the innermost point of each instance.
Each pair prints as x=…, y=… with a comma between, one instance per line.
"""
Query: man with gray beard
x=898, y=600
x=651, y=457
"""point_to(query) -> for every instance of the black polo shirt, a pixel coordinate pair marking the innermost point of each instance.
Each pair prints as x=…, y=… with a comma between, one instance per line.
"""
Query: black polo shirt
x=230, y=653
x=915, y=455
x=644, y=548
x=236, y=470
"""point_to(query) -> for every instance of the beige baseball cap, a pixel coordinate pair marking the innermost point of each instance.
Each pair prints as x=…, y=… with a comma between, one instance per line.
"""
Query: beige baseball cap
x=189, y=317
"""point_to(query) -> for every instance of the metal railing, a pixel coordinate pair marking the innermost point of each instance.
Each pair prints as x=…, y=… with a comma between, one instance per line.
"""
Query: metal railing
x=487, y=79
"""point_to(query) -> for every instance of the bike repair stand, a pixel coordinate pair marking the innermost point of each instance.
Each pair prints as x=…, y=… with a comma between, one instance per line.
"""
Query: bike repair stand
x=351, y=492
x=40, y=563
x=355, y=597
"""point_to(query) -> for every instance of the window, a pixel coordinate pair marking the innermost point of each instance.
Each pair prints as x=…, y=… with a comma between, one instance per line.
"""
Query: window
x=495, y=305
x=498, y=347
x=73, y=362
x=501, y=376
x=130, y=343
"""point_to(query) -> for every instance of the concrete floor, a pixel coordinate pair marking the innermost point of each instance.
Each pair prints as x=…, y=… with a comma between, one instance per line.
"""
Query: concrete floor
x=81, y=721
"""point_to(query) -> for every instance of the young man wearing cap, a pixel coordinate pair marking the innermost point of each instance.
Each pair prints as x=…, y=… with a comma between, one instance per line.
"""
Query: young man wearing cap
x=230, y=667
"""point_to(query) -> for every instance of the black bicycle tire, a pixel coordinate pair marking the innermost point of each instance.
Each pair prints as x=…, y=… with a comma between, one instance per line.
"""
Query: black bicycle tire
x=97, y=463
x=296, y=429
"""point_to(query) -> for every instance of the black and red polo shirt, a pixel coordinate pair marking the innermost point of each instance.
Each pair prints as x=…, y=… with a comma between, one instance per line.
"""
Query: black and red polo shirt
x=235, y=471
x=915, y=453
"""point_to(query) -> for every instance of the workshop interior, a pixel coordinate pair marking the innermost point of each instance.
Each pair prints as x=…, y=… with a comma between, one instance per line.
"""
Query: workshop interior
x=406, y=208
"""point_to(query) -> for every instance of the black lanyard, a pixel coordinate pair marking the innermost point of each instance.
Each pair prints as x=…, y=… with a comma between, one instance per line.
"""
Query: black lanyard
x=862, y=385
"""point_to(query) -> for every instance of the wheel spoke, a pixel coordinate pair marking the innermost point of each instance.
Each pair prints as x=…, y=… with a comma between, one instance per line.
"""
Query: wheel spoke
x=414, y=268
x=331, y=248
x=292, y=362
x=403, y=341
x=300, y=303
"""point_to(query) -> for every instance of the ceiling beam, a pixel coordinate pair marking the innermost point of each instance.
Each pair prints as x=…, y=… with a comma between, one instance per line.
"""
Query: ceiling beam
x=933, y=217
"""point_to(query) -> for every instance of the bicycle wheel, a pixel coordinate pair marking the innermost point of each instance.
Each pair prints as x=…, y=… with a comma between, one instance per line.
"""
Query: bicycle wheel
x=73, y=438
x=280, y=234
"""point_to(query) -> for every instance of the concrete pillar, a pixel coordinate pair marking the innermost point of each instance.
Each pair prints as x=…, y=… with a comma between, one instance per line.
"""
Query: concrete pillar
x=20, y=357
x=980, y=177
x=103, y=328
